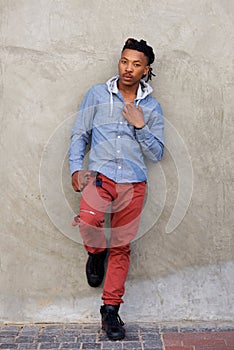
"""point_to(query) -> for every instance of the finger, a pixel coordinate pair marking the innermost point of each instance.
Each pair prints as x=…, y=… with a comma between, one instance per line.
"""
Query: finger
x=88, y=174
x=76, y=188
x=128, y=106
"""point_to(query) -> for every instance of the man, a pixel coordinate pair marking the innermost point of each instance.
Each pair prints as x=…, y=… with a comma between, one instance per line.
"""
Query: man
x=125, y=126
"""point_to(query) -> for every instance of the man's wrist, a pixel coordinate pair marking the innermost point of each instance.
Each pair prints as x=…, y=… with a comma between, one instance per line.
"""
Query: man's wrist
x=139, y=128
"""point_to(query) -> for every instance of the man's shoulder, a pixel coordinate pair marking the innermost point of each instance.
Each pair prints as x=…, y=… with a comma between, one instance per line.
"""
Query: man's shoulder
x=96, y=94
x=151, y=101
x=97, y=88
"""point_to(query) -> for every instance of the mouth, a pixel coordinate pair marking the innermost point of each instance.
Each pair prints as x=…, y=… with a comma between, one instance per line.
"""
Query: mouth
x=127, y=77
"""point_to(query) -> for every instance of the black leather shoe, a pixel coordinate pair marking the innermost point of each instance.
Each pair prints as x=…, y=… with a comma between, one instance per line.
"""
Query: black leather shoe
x=111, y=322
x=95, y=268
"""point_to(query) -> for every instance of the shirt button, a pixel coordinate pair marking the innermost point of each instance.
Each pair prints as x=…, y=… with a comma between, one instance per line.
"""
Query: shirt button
x=119, y=136
x=119, y=167
x=121, y=122
x=118, y=151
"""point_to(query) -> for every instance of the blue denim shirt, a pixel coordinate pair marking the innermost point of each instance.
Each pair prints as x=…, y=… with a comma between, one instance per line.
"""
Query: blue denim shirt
x=117, y=149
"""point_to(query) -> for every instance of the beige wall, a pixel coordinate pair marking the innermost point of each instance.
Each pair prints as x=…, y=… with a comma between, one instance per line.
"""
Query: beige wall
x=182, y=260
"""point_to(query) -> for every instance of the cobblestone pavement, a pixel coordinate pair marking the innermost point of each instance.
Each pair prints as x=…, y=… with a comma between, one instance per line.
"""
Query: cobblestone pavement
x=144, y=336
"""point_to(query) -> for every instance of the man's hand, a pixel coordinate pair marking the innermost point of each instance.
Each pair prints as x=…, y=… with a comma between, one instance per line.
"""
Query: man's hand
x=80, y=179
x=134, y=115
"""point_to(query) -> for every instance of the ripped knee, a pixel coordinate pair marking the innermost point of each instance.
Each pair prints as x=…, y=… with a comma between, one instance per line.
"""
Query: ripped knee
x=88, y=217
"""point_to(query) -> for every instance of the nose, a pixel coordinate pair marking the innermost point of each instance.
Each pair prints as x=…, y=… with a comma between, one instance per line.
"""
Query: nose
x=129, y=67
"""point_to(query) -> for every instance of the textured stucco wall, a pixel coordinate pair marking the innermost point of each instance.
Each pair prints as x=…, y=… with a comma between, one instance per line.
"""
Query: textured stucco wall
x=183, y=260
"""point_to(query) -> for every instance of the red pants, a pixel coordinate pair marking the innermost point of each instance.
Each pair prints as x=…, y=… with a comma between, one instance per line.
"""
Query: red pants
x=124, y=202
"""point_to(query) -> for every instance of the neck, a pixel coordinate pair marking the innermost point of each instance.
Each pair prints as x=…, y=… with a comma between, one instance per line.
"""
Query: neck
x=128, y=92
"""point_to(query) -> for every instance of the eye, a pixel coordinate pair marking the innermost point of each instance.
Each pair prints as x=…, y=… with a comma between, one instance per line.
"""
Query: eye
x=123, y=61
x=137, y=65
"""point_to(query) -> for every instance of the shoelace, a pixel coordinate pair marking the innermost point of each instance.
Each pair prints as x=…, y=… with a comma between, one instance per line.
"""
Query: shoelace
x=115, y=319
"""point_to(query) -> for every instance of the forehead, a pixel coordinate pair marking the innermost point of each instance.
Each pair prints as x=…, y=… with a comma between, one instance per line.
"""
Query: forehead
x=134, y=55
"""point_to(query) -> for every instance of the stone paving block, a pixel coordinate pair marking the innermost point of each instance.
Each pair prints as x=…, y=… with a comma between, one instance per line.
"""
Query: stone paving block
x=6, y=339
x=24, y=339
x=132, y=326
x=150, y=336
x=131, y=336
x=11, y=328
x=148, y=328
x=32, y=330
x=228, y=337
x=30, y=346
x=66, y=339
x=131, y=345
x=46, y=339
x=71, y=345
x=29, y=333
x=132, y=331
x=51, y=331
x=172, y=339
x=201, y=339
x=10, y=333
x=110, y=345
x=91, y=346
x=73, y=333
x=169, y=329
x=213, y=347
x=148, y=345
x=152, y=343
x=49, y=346
x=87, y=338
x=193, y=330
x=8, y=346
x=180, y=348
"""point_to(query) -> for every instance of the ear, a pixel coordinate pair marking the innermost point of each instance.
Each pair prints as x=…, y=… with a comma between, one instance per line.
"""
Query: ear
x=146, y=70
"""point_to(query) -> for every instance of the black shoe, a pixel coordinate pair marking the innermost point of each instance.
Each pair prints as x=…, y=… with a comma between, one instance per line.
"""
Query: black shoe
x=95, y=268
x=111, y=322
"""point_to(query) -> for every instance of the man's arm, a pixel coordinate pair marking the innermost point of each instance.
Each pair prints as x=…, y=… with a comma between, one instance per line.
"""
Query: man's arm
x=150, y=135
x=81, y=132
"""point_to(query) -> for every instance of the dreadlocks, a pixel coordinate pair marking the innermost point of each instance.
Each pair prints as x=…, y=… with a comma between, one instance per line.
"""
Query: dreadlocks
x=147, y=50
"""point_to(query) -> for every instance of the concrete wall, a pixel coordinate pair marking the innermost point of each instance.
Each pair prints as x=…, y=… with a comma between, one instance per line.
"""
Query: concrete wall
x=183, y=258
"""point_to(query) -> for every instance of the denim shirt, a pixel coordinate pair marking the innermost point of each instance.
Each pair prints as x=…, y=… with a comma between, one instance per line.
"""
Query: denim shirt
x=117, y=149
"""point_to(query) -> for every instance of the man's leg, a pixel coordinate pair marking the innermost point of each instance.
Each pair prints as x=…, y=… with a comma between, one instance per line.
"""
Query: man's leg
x=126, y=211
x=94, y=202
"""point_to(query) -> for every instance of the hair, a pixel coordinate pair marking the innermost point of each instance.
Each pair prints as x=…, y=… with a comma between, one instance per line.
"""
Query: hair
x=147, y=50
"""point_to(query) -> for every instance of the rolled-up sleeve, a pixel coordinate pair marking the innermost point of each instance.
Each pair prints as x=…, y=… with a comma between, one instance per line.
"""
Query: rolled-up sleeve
x=81, y=132
x=151, y=136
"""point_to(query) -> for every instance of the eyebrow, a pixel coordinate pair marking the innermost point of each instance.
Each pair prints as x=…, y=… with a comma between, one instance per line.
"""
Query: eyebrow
x=125, y=58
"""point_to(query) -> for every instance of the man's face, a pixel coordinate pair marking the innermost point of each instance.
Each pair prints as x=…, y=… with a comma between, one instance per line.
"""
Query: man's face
x=132, y=66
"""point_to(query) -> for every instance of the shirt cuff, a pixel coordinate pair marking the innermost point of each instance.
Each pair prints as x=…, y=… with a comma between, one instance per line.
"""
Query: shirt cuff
x=74, y=168
x=141, y=133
